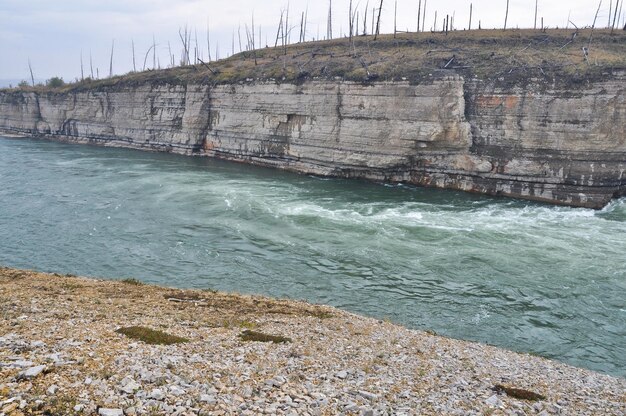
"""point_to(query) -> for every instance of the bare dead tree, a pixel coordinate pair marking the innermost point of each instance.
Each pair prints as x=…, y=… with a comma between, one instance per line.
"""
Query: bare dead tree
x=614, y=16
x=278, y=32
x=132, y=41
x=306, y=18
x=208, y=39
x=184, y=38
x=470, y=21
x=111, y=61
x=350, y=21
x=419, y=15
x=586, y=50
x=82, y=74
x=145, y=58
x=301, y=27
x=380, y=9
x=536, y=4
x=287, y=31
x=610, y=9
x=91, y=64
x=196, y=51
x=170, y=54
x=329, y=23
x=365, y=18
x=239, y=38
x=252, y=33
x=32, y=77
x=395, y=18
x=435, y=23
x=506, y=16
x=424, y=18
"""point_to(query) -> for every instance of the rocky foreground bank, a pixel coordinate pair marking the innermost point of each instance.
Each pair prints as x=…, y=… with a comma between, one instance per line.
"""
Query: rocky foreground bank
x=72, y=345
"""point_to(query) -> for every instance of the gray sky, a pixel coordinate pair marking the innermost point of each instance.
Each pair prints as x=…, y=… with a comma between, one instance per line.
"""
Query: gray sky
x=53, y=33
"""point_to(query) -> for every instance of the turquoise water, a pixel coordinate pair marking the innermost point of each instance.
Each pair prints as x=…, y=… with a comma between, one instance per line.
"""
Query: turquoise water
x=521, y=275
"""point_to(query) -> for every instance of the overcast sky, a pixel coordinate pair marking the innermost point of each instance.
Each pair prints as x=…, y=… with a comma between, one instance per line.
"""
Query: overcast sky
x=53, y=33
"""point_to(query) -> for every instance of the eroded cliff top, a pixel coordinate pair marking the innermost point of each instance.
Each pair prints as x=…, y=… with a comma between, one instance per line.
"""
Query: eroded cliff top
x=514, y=57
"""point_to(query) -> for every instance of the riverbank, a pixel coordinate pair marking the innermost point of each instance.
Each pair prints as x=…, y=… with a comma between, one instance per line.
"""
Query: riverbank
x=66, y=346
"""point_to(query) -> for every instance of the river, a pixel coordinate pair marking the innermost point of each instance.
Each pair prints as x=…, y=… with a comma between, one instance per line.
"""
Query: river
x=520, y=275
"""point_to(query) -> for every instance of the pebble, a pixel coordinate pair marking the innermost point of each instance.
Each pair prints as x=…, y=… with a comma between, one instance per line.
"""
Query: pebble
x=110, y=412
x=156, y=394
x=344, y=364
x=341, y=374
x=494, y=401
x=176, y=390
x=31, y=372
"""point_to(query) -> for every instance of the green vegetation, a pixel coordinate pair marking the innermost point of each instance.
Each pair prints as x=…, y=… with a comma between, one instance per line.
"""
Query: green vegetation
x=150, y=336
x=55, y=82
x=132, y=281
x=516, y=393
x=249, y=335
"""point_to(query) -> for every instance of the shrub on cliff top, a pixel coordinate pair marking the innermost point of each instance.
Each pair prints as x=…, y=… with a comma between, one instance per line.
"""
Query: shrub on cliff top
x=55, y=82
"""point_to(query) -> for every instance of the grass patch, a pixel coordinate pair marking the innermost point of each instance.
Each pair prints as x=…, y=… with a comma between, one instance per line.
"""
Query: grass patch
x=249, y=335
x=516, y=393
x=132, y=281
x=322, y=314
x=509, y=58
x=150, y=336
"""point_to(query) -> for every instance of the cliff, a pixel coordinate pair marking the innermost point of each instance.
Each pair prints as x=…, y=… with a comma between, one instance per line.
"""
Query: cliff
x=559, y=138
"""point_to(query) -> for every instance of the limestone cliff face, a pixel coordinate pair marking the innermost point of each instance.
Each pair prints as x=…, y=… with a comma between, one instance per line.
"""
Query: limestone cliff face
x=559, y=146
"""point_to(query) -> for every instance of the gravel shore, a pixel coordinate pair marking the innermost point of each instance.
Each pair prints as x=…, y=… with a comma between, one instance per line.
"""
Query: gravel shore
x=62, y=352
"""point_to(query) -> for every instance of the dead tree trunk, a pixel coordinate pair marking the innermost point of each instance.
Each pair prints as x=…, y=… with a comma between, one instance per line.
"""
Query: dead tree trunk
x=280, y=28
x=470, y=21
x=365, y=18
x=419, y=15
x=32, y=77
x=91, y=64
x=329, y=23
x=586, y=50
x=154, y=50
x=506, y=16
x=350, y=22
x=536, y=4
x=614, y=16
x=424, y=18
x=395, y=18
x=208, y=40
x=111, y=61
x=82, y=73
x=132, y=41
x=380, y=9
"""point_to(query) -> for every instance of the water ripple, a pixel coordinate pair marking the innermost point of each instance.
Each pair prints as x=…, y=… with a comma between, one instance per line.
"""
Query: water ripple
x=526, y=276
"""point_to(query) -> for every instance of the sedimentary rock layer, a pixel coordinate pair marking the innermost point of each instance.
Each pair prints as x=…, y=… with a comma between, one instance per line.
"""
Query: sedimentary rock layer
x=564, y=146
